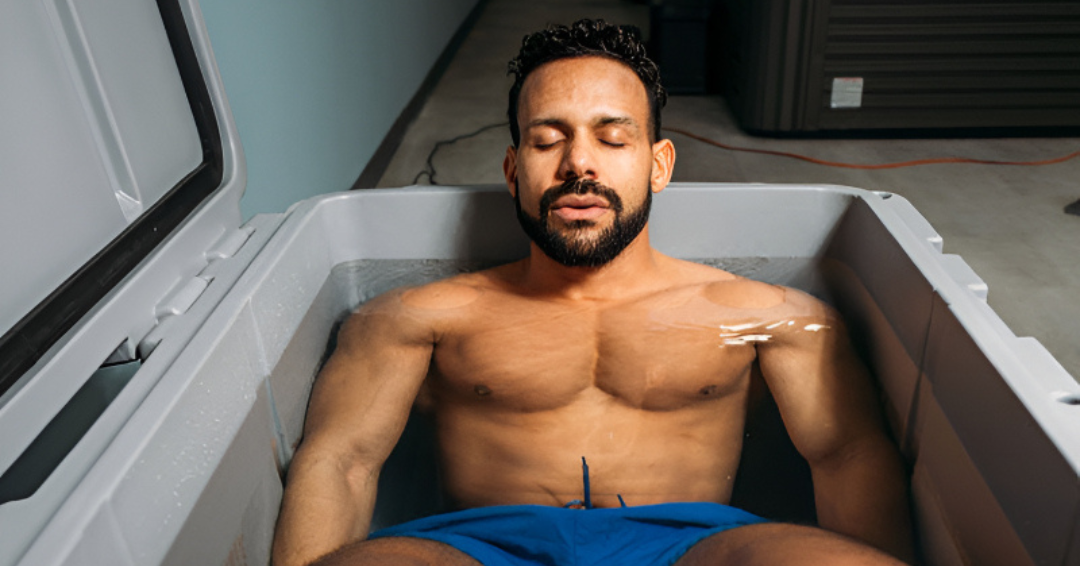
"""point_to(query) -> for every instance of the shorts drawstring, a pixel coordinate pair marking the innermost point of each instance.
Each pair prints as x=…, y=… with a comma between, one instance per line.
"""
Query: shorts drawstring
x=585, y=481
x=587, y=503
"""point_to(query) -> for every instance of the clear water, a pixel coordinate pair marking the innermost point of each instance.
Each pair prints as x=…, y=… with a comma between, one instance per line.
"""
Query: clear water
x=359, y=281
x=408, y=486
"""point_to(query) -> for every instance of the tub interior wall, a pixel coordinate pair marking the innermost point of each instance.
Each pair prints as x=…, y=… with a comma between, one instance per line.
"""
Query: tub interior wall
x=951, y=410
x=961, y=491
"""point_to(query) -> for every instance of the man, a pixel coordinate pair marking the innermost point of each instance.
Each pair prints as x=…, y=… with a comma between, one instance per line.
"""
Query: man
x=596, y=352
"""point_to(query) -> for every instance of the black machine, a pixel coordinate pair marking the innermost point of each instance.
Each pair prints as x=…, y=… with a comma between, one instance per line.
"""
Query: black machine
x=806, y=66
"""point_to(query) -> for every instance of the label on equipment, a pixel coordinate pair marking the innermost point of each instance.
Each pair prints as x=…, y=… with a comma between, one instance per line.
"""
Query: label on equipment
x=846, y=92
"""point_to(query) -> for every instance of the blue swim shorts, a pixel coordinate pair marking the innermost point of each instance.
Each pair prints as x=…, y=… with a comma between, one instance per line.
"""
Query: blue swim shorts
x=528, y=535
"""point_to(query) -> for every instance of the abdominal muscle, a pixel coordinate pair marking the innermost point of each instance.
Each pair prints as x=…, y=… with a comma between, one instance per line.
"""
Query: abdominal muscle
x=506, y=458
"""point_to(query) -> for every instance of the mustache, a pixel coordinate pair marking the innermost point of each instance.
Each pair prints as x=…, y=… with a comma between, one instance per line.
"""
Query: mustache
x=579, y=187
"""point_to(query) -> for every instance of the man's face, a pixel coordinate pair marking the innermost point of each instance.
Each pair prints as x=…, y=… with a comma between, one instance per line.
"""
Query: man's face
x=584, y=171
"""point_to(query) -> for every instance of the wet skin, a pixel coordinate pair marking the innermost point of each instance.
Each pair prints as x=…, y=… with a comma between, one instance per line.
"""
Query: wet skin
x=641, y=365
x=651, y=388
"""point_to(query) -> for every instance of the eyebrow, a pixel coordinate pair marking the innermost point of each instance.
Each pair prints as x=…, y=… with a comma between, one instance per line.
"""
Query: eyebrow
x=616, y=120
x=554, y=122
x=598, y=122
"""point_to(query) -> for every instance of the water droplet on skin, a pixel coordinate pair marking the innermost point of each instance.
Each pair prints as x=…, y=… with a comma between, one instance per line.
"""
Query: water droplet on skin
x=737, y=327
x=743, y=340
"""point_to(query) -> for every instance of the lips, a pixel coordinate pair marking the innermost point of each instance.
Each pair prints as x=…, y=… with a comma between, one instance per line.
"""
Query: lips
x=579, y=207
x=577, y=200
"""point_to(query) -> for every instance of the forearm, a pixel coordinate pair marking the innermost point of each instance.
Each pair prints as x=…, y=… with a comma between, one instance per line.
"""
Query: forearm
x=326, y=505
x=864, y=495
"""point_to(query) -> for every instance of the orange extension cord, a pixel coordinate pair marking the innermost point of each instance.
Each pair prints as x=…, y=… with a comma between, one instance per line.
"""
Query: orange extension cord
x=873, y=166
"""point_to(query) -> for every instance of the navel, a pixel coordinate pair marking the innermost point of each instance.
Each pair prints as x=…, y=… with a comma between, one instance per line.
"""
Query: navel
x=708, y=390
x=482, y=391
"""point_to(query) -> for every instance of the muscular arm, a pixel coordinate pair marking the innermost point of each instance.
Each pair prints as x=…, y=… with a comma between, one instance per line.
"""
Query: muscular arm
x=829, y=407
x=358, y=409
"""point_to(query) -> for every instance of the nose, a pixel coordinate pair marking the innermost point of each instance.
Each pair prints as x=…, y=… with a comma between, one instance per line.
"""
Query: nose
x=578, y=161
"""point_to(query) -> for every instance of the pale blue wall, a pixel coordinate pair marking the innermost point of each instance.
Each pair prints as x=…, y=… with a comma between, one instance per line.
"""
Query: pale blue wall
x=315, y=85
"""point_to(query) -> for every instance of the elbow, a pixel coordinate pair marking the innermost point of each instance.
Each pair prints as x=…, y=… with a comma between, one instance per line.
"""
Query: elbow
x=333, y=459
x=361, y=475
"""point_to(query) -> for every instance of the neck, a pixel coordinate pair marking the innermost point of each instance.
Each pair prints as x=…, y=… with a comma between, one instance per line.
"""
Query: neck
x=629, y=273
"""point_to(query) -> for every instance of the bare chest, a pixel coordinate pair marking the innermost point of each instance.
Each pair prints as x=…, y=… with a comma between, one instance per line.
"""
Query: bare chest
x=543, y=357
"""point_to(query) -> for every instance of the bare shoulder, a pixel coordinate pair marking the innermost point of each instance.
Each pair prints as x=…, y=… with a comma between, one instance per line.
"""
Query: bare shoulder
x=758, y=311
x=802, y=304
x=745, y=294
x=435, y=307
x=452, y=293
x=726, y=289
x=409, y=314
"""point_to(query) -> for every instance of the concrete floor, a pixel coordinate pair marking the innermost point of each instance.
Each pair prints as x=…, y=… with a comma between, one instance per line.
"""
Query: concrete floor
x=1007, y=222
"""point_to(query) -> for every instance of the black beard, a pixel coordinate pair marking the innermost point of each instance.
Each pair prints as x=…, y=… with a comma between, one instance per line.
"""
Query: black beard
x=572, y=253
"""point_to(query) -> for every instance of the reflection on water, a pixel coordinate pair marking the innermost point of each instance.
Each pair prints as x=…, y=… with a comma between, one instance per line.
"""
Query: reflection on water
x=364, y=279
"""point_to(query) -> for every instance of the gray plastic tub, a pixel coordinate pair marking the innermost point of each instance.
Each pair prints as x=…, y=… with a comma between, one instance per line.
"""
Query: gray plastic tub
x=987, y=421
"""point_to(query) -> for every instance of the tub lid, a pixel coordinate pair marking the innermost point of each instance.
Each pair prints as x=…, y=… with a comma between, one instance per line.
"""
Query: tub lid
x=113, y=131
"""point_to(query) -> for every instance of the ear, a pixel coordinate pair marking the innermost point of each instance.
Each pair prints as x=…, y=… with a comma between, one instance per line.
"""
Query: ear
x=510, y=169
x=663, y=164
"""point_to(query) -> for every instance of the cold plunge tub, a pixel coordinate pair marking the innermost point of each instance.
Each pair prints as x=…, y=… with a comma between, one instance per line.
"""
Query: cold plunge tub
x=987, y=421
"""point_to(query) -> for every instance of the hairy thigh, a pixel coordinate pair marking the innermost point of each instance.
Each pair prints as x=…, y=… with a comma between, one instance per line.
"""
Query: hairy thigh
x=397, y=551
x=777, y=543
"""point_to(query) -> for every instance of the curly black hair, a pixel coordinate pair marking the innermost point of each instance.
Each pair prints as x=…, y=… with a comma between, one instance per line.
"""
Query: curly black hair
x=587, y=38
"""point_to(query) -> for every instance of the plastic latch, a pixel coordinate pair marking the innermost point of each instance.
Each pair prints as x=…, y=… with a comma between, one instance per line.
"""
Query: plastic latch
x=229, y=244
x=226, y=247
x=182, y=297
x=176, y=303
